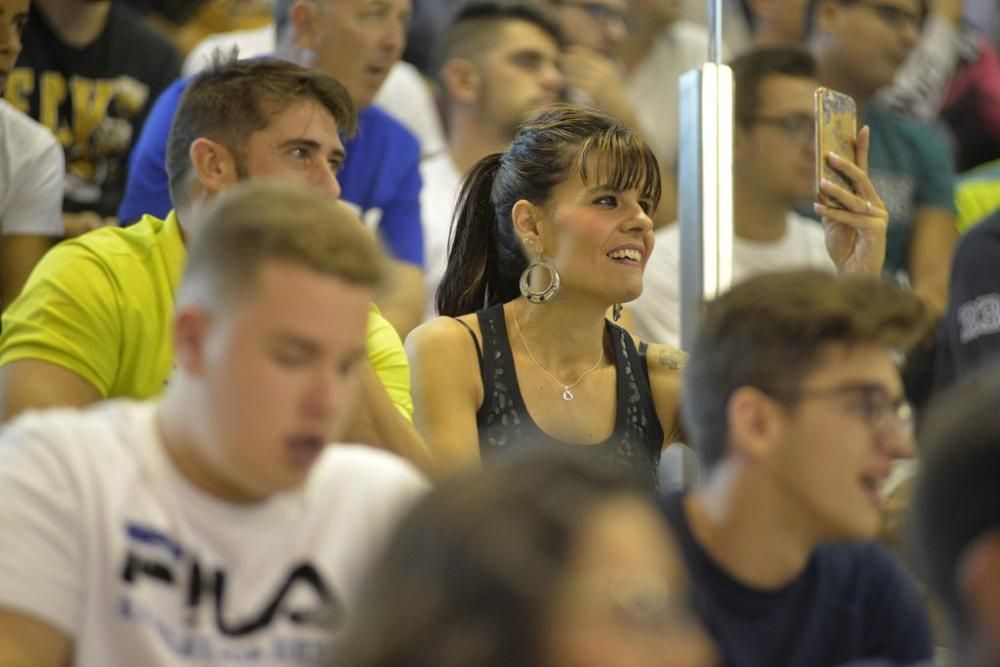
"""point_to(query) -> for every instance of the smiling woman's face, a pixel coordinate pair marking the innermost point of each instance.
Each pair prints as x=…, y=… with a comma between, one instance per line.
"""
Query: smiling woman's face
x=623, y=601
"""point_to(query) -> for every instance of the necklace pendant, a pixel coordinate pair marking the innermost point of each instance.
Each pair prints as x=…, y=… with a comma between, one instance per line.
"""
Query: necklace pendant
x=567, y=394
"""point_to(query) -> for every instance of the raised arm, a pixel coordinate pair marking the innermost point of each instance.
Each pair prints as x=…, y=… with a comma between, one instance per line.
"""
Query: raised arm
x=447, y=392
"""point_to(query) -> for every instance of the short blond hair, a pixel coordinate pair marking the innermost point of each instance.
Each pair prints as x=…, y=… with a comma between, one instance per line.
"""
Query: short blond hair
x=261, y=221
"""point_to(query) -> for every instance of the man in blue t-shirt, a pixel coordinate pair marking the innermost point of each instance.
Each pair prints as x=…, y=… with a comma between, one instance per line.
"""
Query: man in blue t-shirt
x=859, y=46
x=793, y=401
x=357, y=42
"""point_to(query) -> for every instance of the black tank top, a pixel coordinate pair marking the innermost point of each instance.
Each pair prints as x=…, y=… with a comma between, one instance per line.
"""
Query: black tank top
x=505, y=425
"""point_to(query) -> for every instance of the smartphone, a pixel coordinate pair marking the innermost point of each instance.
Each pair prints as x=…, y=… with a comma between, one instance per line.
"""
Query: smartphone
x=837, y=131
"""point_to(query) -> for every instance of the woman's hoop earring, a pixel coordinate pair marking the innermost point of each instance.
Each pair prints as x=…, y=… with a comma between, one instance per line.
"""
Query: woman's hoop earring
x=616, y=312
x=550, y=290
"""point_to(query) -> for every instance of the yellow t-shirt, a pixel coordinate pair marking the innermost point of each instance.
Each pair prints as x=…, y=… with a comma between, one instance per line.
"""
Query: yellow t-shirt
x=101, y=305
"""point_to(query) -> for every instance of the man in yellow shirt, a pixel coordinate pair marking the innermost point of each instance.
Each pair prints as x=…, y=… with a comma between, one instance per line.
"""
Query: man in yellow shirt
x=94, y=319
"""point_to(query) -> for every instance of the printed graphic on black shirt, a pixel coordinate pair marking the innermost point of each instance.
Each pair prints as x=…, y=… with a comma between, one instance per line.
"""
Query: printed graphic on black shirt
x=94, y=98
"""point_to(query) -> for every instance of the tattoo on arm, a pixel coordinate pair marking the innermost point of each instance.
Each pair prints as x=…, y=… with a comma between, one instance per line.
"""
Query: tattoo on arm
x=673, y=359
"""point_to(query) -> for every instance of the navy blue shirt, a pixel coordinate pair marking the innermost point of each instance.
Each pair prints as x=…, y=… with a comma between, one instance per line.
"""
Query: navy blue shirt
x=852, y=601
x=380, y=176
x=969, y=333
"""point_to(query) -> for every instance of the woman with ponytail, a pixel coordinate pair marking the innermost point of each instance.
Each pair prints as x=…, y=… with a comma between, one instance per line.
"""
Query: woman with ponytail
x=546, y=239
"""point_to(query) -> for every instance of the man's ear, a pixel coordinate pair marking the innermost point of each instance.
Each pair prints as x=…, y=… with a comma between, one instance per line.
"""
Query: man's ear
x=461, y=80
x=756, y=422
x=213, y=165
x=191, y=328
x=977, y=576
x=526, y=217
x=303, y=16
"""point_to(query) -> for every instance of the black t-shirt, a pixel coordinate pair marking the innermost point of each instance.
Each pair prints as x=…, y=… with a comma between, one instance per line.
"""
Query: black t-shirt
x=969, y=335
x=852, y=601
x=93, y=98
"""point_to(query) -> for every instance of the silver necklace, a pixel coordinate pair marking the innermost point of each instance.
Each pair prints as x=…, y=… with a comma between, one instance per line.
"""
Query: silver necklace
x=567, y=394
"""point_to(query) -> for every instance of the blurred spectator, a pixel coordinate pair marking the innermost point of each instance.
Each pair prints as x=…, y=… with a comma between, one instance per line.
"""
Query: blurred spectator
x=404, y=95
x=977, y=194
x=545, y=561
x=773, y=170
x=775, y=22
x=596, y=32
x=956, y=517
x=969, y=335
x=953, y=73
x=498, y=63
x=89, y=71
x=214, y=522
x=357, y=42
x=660, y=48
x=860, y=45
x=430, y=19
x=94, y=319
x=793, y=401
x=31, y=173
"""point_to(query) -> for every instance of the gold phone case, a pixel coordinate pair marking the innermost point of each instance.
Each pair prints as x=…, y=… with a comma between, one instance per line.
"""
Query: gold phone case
x=836, y=130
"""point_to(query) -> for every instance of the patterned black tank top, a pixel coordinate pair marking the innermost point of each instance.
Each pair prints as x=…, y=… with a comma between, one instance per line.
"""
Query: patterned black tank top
x=505, y=425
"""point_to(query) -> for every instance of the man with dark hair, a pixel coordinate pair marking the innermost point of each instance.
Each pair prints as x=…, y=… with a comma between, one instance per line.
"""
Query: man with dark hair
x=212, y=525
x=773, y=171
x=794, y=404
x=497, y=62
x=357, y=42
x=93, y=320
x=859, y=46
x=956, y=516
x=89, y=71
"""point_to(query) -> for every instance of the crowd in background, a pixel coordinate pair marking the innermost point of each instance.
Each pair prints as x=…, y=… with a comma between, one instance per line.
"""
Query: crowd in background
x=347, y=332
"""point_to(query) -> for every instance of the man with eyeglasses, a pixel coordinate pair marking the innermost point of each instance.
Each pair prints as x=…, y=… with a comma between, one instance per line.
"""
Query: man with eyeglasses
x=795, y=406
x=773, y=171
x=859, y=46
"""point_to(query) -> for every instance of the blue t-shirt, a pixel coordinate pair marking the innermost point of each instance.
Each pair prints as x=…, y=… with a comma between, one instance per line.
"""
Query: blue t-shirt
x=852, y=601
x=911, y=169
x=380, y=176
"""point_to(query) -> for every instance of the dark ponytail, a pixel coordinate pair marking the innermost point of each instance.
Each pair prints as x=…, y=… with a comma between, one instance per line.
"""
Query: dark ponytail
x=472, y=254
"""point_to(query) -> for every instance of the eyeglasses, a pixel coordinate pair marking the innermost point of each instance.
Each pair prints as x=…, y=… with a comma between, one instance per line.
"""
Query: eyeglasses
x=801, y=127
x=872, y=403
x=896, y=17
x=597, y=11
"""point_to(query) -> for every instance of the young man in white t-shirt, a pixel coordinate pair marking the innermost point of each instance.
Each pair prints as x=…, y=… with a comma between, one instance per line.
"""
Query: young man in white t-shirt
x=214, y=525
x=773, y=171
x=31, y=173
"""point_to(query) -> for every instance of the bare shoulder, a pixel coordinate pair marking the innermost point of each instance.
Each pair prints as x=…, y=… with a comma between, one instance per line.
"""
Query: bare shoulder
x=666, y=365
x=445, y=339
x=663, y=359
x=443, y=332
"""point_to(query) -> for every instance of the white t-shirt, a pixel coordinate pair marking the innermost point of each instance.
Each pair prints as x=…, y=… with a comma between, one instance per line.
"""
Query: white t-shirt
x=404, y=94
x=101, y=537
x=437, y=204
x=653, y=88
x=31, y=176
x=657, y=312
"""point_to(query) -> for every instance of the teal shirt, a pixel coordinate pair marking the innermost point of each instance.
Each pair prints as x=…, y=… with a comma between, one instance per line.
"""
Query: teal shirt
x=911, y=169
